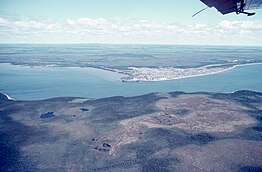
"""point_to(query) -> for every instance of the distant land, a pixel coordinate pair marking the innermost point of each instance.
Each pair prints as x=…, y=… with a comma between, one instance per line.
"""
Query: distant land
x=156, y=132
x=63, y=69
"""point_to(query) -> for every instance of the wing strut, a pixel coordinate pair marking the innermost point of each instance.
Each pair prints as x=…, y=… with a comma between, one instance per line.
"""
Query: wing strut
x=199, y=12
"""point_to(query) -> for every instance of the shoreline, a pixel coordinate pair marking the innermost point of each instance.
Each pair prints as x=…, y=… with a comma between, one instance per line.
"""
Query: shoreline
x=145, y=87
x=101, y=69
x=191, y=76
x=8, y=97
x=75, y=99
x=127, y=73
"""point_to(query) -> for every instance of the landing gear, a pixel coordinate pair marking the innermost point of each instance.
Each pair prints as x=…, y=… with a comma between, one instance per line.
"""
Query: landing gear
x=247, y=13
x=240, y=4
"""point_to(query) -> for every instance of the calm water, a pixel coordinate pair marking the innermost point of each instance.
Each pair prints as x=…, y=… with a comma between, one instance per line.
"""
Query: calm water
x=32, y=83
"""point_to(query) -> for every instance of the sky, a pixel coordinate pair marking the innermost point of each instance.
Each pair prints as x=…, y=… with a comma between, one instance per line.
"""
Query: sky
x=124, y=22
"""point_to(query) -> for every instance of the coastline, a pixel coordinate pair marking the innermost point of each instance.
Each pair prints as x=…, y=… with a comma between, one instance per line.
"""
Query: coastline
x=80, y=100
x=131, y=79
x=89, y=83
x=128, y=74
x=183, y=77
x=91, y=68
x=116, y=126
x=8, y=97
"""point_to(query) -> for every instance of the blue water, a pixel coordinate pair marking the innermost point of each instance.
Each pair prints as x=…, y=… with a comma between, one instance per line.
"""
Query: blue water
x=34, y=83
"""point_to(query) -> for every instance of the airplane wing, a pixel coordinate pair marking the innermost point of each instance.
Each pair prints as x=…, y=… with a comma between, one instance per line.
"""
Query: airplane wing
x=238, y=6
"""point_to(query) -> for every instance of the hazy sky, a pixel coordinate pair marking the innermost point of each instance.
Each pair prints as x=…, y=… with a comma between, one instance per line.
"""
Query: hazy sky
x=124, y=21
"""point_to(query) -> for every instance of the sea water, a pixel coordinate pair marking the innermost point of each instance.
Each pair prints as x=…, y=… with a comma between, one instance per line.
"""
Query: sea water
x=34, y=83
x=33, y=72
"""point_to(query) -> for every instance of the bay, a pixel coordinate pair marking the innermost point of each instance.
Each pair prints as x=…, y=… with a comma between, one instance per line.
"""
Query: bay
x=35, y=83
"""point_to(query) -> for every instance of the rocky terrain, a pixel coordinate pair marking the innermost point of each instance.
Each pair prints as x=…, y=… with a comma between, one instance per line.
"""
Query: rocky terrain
x=156, y=132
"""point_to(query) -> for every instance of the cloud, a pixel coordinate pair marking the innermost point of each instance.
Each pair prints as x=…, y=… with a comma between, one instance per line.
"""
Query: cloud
x=34, y=25
x=3, y=21
x=100, y=30
x=240, y=25
x=87, y=21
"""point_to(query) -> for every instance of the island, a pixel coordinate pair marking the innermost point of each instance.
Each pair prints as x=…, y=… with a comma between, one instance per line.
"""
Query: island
x=157, y=132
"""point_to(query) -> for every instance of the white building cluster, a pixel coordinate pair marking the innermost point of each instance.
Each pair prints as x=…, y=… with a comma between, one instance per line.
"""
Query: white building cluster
x=169, y=73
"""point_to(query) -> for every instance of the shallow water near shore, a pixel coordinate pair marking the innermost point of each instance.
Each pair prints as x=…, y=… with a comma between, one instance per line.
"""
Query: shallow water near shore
x=34, y=83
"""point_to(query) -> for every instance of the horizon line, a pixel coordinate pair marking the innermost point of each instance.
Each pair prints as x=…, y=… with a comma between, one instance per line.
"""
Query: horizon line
x=157, y=44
